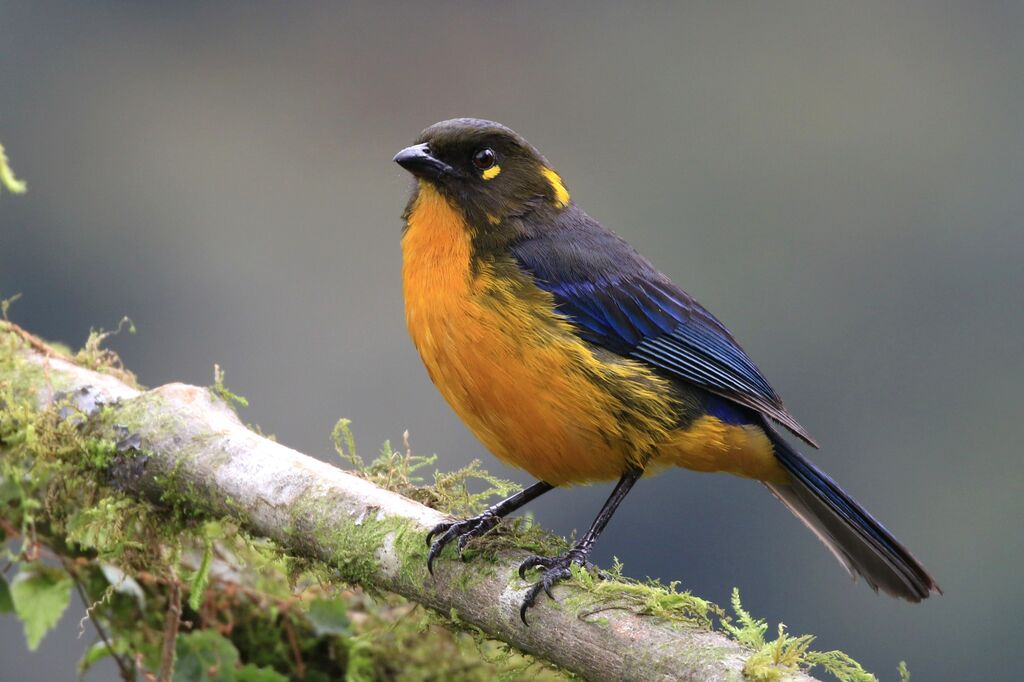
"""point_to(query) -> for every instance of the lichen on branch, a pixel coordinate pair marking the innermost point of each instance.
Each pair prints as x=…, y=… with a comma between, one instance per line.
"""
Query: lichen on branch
x=288, y=566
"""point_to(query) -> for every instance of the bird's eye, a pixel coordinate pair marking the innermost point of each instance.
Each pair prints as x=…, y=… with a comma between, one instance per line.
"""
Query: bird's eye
x=484, y=158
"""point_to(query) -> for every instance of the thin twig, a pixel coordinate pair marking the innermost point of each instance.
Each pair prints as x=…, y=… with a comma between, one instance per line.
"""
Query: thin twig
x=32, y=340
x=300, y=668
x=170, y=630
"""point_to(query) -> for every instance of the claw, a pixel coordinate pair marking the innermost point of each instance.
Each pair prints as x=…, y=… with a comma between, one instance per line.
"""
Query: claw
x=529, y=600
x=463, y=541
x=463, y=530
x=435, y=549
x=557, y=569
x=534, y=562
x=437, y=529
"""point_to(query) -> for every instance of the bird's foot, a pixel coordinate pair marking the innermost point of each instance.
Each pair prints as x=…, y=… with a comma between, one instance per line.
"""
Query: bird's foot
x=556, y=569
x=464, y=530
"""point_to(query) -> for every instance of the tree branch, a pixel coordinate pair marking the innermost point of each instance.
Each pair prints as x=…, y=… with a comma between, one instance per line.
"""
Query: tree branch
x=195, y=452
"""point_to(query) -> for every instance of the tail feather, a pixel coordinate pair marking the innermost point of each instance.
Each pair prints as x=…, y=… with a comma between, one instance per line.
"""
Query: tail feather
x=861, y=544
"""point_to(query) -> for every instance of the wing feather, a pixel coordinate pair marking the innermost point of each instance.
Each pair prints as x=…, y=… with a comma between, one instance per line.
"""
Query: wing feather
x=618, y=301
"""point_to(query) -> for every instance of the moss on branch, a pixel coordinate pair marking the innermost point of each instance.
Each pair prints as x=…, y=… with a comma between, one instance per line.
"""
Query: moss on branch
x=282, y=576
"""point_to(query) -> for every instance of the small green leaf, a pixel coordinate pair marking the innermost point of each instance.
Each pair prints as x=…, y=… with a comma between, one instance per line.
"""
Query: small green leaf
x=201, y=578
x=205, y=656
x=328, y=617
x=40, y=594
x=250, y=673
x=6, y=605
x=97, y=652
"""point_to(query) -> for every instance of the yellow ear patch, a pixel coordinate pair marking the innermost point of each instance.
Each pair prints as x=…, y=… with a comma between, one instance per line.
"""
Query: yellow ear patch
x=561, y=193
x=491, y=172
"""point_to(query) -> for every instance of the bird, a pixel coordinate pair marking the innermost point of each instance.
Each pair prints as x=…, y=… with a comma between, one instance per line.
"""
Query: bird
x=570, y=356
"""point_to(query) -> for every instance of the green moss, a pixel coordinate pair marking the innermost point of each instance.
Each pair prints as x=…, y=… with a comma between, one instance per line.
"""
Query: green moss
x=399, y=471
x=6, y=303
x=94, y=356
x=594, y=595
x=59, y=482
x=775, y=659
x=351, y=546
x=56, y=476
x=23, y=377
x=220, y=390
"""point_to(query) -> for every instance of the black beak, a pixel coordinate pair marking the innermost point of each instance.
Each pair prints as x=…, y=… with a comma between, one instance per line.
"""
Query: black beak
x=418, y=161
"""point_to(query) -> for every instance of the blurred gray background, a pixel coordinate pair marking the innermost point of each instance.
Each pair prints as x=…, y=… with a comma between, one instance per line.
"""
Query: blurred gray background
x=841, y=183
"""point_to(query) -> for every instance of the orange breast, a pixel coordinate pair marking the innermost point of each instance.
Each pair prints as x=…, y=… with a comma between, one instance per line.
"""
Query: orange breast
x=534, y=393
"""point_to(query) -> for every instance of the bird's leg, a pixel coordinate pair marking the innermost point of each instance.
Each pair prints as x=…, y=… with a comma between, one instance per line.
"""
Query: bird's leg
x=476, y=526
x=557, y=568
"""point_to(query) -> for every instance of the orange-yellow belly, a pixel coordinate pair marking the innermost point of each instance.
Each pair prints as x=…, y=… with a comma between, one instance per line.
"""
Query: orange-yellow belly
x=534, y=393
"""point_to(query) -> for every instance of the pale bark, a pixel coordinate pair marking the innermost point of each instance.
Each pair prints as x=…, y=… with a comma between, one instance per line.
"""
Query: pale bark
x=195, y=451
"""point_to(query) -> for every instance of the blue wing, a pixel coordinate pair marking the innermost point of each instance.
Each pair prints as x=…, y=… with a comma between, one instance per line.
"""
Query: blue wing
x=618, y=301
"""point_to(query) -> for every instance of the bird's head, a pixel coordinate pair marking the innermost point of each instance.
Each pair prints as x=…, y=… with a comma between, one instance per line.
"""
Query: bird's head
x=487, y=170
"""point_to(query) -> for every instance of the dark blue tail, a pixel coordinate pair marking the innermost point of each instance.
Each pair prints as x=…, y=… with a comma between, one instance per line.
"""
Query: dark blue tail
x=860, y=542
